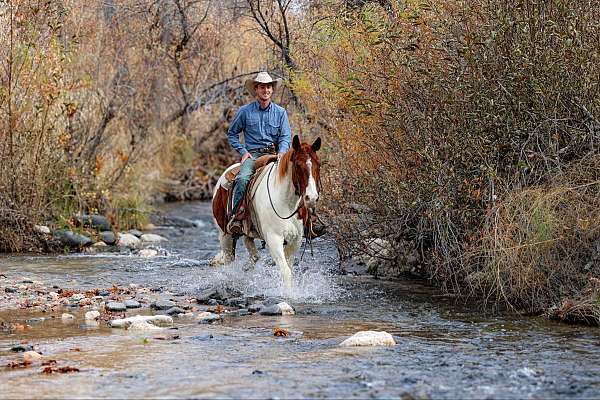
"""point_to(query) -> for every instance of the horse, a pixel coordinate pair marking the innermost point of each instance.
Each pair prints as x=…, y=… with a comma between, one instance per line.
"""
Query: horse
x=281, y=189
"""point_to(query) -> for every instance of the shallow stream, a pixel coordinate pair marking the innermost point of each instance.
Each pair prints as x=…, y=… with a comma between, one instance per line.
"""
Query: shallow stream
x=444, y=349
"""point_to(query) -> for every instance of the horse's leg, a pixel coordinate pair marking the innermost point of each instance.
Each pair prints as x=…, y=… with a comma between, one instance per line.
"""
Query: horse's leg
x=251, y=247
x=291, y=249
x=227, y=253
x=275, y=244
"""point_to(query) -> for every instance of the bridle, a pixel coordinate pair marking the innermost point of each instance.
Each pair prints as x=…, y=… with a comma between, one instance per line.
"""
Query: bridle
x=300, y=202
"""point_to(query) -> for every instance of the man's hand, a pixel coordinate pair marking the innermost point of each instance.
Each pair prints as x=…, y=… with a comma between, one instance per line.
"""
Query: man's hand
x=245, y=157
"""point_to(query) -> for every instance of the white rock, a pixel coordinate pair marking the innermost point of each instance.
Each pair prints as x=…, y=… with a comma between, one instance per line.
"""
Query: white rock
x=134, y=285
x=128, y=240
x=157, y=320
x=285, y=308
x=66, y=317
x=78, y=296
x=53, y=295
x=369, y=338
x=152, y=238
x=148, y=253
x=31, y=356
x=100, y=244
x=92, y=315
x=143, y=326
x=41, y=229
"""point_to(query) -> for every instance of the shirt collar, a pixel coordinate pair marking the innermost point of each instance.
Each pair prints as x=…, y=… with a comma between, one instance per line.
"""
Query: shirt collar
x=263, y=109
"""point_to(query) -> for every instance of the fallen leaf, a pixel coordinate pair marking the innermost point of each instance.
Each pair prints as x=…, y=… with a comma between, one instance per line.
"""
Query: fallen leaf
x=75, y=349
x=280, y=332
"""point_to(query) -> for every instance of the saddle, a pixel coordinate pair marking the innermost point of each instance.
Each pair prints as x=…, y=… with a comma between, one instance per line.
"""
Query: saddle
x=244, y=212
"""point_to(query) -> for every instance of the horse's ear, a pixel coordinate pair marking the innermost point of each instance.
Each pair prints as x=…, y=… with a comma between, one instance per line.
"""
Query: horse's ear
x=296, y=143
x=316, y=145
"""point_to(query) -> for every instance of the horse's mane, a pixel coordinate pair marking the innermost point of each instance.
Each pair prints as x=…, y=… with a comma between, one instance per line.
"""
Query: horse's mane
x=285, y=162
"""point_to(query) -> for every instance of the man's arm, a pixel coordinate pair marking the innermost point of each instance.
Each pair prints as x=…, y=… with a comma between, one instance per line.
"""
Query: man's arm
x=285, y=136
x=233, y=133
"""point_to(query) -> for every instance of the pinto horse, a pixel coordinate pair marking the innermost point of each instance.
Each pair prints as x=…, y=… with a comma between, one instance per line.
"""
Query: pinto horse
x=281, y=189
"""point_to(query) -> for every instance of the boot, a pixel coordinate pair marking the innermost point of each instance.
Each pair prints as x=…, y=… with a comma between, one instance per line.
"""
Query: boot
x=234, y=227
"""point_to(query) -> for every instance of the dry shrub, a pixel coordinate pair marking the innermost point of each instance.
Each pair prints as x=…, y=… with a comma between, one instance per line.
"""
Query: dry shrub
x=443, y=115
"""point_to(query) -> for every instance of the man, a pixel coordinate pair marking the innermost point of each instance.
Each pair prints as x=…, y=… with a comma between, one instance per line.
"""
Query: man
x=266, y=131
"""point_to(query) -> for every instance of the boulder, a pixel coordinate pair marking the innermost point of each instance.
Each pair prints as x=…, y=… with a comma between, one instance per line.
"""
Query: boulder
x=143, y=326
x=208, y=318
x=282, y=308
x=31, y=356
x=92, y=315
x=132, y=303
x=152, y=238
x=135, y=233
x=116, y=306
x=97, y=222
x=369, y=338
x=162, y=304
x=108, y=237
x=174, y=311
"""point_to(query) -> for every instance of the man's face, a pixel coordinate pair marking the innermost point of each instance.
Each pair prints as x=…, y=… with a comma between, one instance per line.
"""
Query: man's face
x=264, y=91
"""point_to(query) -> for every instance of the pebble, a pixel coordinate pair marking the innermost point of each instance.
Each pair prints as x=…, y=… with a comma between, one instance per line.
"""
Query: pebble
x=104, y=293
x=213, y=302
x=116, y=306
x=148, y=253
x=369, y=338
x=282, y=308
x=132, y=303
x=162, y=304
x=41, y=229
x=31, y=356
x=143, y=326
x=236, y=302
x=18, y=348
x=10, y=290
x=53, y=295
x=208, y=318
x=92, y=315
x=66, y=317
x=77, y=297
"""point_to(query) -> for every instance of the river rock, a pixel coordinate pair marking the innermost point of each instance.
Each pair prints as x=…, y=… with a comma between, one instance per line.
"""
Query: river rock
x=132, y=303
x=21, y=348
x=153, y=238
x=148, y=253
x=162, y=304
x=10, y=290
x=204, y=296
x=77, y=297
x=135, y=232
x=31, y=356
x=92, y=315
x=69, y=238
x=41, y=229
x=108, y=237
x=282, y=308
x=116, y=306
x=157, y=320
x=104, y=293
x=239, y=302
x=271, y=301
x=143, y=326
x=208, y=318
x=67, y=317
x=255, y=307
x=128, y=240
x=369, y=338
x=174, y=311
x=98, y=222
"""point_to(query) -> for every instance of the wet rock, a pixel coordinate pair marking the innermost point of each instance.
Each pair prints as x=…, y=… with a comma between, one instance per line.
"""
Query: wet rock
x=128, y=240
x=35, y=320
x=162, y=304
x=208, y=318
x=27, y=281
x=10, y=290
x=31, y=356
x=282, y=308
x=255, y=307
x=152, y=238
x=108, y=237
x=174, y=311
x=98, y=222
x=21, y=348
x=116, y=306
x=92, y=315
x=214, y=302
x=236, y=302
x=148, y=253
x=242, y=312
x=71, y=239
x=204, y=296
x=135, y=233
x=369, y=338
x=77, y=297
x=132, y=303
x=41, y=229
x=143, y=326
x=157, y=320
x=67, y=317
x=104, y=293
x=99, y=245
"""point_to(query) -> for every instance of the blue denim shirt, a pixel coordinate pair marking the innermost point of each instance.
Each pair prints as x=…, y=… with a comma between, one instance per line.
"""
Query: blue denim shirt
x=261, y=128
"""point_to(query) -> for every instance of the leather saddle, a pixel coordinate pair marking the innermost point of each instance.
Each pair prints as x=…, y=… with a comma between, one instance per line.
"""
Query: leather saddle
x=244, y=212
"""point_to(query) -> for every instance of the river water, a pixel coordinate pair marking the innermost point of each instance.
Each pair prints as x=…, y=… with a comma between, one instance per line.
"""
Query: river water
x=444, y=349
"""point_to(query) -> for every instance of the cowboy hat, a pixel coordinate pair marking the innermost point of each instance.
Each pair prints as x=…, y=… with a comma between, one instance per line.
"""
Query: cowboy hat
x=261, y=77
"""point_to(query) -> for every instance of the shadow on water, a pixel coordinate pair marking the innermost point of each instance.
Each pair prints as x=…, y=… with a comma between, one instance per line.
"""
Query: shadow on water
x=444, y=350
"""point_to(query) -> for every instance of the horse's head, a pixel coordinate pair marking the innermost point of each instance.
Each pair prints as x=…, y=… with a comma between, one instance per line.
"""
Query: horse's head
x=306, y=171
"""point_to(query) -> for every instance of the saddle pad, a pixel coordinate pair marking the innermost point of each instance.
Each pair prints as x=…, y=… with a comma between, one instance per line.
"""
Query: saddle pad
x=258, y=164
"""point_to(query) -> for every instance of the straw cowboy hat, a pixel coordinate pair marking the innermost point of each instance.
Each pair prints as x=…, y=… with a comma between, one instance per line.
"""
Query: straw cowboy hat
x=261, y=77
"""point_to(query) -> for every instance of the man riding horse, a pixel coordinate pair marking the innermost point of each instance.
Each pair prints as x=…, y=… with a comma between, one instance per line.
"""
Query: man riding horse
x=266, y=130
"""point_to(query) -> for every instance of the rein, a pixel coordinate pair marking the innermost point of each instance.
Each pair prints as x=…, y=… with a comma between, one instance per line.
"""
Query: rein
x=271, y=200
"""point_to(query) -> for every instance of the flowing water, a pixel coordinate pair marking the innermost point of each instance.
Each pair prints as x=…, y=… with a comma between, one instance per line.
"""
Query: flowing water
x=443, y=350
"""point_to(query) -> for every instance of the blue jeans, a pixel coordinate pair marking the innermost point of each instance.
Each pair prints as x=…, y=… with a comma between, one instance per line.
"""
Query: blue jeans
x=241, y=182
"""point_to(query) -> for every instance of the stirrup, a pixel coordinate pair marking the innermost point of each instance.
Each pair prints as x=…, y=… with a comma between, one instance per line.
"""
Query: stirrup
x=234, y=227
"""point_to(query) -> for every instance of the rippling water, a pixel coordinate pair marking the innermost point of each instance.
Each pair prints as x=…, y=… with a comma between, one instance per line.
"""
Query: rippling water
x=444, y=350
